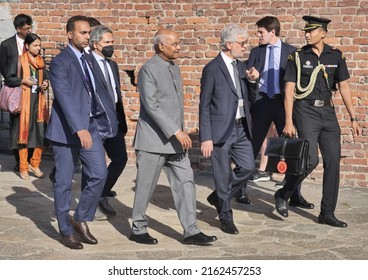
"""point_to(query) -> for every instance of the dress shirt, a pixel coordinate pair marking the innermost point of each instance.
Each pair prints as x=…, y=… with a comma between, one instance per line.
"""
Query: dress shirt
x=240, y=110
x=20, y=44
x=79, y=55
x=264, y=76
x=100, y=59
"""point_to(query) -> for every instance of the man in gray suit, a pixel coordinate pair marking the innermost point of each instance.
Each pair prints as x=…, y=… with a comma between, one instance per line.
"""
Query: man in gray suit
x=160, y=142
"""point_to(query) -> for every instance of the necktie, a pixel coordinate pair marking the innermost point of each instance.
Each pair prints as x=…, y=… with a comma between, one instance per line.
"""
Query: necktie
x=237, y=80
x=88, y=80
x=108, y=80
x=271, y=73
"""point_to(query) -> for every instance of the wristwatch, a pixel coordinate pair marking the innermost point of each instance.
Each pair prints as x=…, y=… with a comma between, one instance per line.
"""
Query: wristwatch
x=354, y=119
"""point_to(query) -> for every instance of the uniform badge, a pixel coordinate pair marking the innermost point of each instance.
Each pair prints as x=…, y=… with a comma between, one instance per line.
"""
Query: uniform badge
x=308, y=64
x=290, y=57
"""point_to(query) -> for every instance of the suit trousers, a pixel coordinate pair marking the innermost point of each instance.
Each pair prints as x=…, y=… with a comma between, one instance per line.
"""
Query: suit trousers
x=265, y=111
x=180, y=175
x=93, y=164
x=115, y=148
x=238, y=150
x=319, y=126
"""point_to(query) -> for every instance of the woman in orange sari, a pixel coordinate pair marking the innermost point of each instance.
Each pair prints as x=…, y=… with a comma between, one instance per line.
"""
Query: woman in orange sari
x=27, y=128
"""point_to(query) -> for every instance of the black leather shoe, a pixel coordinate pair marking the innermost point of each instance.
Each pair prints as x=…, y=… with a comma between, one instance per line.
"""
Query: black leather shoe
x=71, y=242
x=281, y=204
x=105, y=207
x=200, y=239
x=229, y=227
x=111, y=194
x=81, y=228
x=331, y=220
x=212, y=199
x=143, y=238
x=301, y=203
x=243, y=199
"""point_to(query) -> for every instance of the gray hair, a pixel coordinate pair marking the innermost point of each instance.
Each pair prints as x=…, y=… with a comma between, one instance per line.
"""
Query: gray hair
x=97, y=33
x=230, y=33
x=158, y=38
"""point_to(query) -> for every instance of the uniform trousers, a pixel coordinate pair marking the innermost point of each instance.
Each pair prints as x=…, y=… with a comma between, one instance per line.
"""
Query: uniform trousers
x=236, y=150
x=319, y=126
x=93, y=164
x=181, y=178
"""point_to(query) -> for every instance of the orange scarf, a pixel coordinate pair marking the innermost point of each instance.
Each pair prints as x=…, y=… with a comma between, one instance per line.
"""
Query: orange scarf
x=42, y=114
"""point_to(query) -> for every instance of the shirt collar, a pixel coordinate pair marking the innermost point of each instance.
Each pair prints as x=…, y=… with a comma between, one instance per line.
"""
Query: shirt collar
x=76, y=51
x=97, y=56
x=277, y=45
x=326, y=49
x=226, y=59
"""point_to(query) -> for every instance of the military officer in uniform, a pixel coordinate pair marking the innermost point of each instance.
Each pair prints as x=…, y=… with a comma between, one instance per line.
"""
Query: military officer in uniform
x=311, y=77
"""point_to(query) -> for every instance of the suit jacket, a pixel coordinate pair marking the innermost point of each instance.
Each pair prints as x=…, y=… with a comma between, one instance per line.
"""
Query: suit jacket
x=71, y=107
x=162, y=107
x=219, y=101
x=8, y=52
x=120, y=114
x=257, y=58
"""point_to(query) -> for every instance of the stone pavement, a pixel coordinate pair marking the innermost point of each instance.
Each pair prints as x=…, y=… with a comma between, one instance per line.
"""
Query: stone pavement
x=28, y=228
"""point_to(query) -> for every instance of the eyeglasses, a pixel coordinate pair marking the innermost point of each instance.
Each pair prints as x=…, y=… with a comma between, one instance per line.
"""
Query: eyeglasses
x=242, y=44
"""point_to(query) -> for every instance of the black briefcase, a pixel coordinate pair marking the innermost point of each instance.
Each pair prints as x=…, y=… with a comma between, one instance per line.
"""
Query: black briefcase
x=287, y=155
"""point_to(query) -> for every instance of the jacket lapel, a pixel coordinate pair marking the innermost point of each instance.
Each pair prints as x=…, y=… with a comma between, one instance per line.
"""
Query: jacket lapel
x=225, y=71
x=77, y=65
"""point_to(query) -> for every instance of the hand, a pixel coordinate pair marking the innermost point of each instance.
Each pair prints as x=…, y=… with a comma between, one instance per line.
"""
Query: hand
x=45, y=84
x=184, y=139
x=357, y=130
x=207, y=148
x=28, y=82
x=252, y=74
x=85, y=138
x=289, y=130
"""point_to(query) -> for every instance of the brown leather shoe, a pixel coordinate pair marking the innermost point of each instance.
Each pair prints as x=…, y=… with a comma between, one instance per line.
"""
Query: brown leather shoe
x=81, y=228
x=70, y=241
x=36, y=171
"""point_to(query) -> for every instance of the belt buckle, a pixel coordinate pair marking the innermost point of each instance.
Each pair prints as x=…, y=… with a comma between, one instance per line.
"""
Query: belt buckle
x=319, y=103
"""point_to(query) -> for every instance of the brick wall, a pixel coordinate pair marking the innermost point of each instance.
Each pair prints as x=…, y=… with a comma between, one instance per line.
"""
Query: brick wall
x=199, y=23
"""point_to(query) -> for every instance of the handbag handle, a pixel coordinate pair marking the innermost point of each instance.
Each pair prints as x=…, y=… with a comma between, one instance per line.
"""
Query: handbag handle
x=282, y=156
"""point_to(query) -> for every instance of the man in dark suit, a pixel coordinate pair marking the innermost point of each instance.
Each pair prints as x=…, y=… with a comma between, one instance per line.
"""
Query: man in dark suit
x=10, y=49
x=81, y=117
x=270, y=57
x=225, y=126
x=105, y=69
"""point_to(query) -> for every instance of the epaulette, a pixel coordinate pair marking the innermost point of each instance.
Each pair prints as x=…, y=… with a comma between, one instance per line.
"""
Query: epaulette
x=337, y=50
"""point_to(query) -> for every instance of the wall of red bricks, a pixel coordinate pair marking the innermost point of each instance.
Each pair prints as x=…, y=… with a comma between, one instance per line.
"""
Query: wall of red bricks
x=199, y=23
